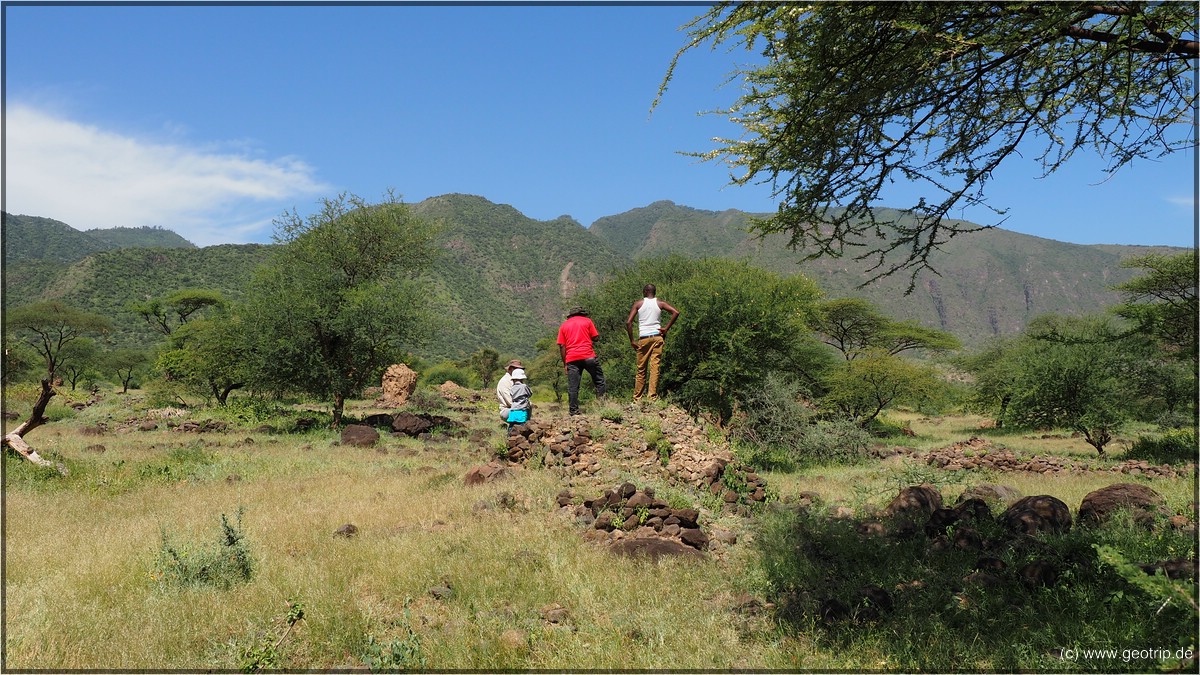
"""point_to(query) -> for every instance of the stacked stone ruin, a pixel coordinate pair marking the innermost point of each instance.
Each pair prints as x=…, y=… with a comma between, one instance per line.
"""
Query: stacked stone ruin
x=979, y=454
x=571, y=445
x=627, y=512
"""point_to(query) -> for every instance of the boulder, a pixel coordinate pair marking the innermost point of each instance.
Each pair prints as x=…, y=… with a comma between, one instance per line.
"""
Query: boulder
x=1174, y=569
x=915, y=501
x=654, y=548
x=414, y=425
x=992, y=493
x=359, y=436
x=1030, y=515
x=399, y=382
x=484, y=474
x=1144, y=503
x=694, y=537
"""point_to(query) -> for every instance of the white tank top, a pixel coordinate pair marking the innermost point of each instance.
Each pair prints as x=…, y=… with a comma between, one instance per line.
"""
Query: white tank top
x=649, y=315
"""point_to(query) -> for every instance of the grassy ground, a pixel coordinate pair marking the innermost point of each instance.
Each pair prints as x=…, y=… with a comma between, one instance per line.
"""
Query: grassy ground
x=440, y=575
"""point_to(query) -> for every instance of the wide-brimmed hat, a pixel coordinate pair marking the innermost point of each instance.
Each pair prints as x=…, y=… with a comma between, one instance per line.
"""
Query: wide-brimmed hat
x=577, y=311
x=515, y=363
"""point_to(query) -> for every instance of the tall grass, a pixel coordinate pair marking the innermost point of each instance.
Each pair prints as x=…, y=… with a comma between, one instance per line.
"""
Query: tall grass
x=443, y=576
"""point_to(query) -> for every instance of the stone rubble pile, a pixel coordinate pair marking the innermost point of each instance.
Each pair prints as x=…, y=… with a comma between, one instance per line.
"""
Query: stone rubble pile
x=626, y=511
x=979, y=454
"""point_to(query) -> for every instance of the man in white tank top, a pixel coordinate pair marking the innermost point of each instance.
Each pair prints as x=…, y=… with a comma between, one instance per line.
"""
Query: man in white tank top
x=649, y=342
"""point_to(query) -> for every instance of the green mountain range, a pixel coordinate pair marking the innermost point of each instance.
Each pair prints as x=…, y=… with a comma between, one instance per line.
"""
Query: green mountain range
x=504, y=279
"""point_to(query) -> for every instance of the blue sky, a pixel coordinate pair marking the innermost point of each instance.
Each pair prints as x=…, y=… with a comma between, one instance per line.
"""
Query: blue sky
x=212, y=120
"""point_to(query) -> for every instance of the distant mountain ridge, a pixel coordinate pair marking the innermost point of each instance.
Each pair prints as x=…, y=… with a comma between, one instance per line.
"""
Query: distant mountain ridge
x=45, y=239
x=987, y=283
x=503, y=279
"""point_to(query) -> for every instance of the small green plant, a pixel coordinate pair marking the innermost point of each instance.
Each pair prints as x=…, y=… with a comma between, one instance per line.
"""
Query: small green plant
x=426, y=399
x=400, y=653
x=264, y=653
x=664, y=451
x=643, y=514
x=223, y=565
x=1176, y=446
x=612, y=413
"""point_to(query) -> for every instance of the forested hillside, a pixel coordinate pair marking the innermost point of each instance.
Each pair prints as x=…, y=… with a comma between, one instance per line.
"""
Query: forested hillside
x=503, y=279
x=52, y=241
x=988, y=283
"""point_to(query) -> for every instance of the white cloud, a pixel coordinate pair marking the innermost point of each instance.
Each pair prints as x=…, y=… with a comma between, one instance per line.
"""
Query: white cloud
x=91, y=178
x=1188, y=202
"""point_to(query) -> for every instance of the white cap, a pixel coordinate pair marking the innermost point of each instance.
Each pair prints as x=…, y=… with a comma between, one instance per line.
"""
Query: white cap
x=518, y=374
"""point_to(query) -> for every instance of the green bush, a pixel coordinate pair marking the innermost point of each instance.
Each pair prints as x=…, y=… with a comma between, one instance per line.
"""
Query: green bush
x=222, y=565
x=448, y=372
x=776, y=431
x=248, y=411
x=931, y=621
x=1177, y=446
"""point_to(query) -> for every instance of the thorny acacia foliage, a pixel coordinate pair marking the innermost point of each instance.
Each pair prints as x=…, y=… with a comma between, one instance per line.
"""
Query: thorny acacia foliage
x=853, y=96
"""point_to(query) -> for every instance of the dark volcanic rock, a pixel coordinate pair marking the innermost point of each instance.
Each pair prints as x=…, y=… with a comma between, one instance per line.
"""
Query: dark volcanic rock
x=1030, y=515
x=1099, y=505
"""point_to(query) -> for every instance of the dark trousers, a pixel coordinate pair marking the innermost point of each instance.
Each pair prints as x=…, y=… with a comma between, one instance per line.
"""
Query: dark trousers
x=575, y=374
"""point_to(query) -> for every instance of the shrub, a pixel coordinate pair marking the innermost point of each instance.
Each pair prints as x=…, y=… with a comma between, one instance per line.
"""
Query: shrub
x=248, y=411
x=223, y=564
x=1177, y=446
x=448, y=372
x=776, y=431
x=426, y=399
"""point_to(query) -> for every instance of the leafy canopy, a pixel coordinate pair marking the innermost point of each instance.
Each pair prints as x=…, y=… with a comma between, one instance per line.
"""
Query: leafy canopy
x=853, y=326
x=50, y=326
x=737, y=323
x=342, y=297
x=1162, y=302
x=850, y=97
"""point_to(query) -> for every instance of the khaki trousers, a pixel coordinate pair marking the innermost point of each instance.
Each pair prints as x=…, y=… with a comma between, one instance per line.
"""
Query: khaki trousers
x=649, y=358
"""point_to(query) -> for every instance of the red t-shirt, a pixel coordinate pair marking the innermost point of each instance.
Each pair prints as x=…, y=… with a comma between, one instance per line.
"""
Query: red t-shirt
x=576, y=334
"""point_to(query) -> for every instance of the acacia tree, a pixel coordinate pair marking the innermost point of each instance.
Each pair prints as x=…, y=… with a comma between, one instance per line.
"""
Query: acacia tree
x=80, y=357
x=853, y=326
x=851, y=96
x=1162, y=302
x=485, y=363
x=210, y=354
x=341, y=298
x=126, y=364
x=168, y=313
x=49, y=328
x=864, y=387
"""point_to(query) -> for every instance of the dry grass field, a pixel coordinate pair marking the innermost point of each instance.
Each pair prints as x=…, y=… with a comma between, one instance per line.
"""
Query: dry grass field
x=441, y=575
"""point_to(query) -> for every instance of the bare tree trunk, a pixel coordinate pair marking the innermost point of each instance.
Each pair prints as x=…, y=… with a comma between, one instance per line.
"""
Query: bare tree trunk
x=15, y=438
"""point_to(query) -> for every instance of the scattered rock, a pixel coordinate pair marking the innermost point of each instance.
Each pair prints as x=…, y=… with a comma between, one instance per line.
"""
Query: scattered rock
x=1100, y=505
x=348, y=530
x=484, y=474
x=917, y=501
x=359, y=436
x=1174, y=569
x=992, y=493
x=1030, y=515
x=411, y=424
x=654, y=548
x=554, y=613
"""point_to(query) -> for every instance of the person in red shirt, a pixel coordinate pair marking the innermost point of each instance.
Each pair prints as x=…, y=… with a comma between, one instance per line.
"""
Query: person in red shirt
x=575, y=337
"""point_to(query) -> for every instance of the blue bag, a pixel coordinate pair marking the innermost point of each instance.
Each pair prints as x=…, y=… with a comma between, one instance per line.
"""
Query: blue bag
x=518, y=416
